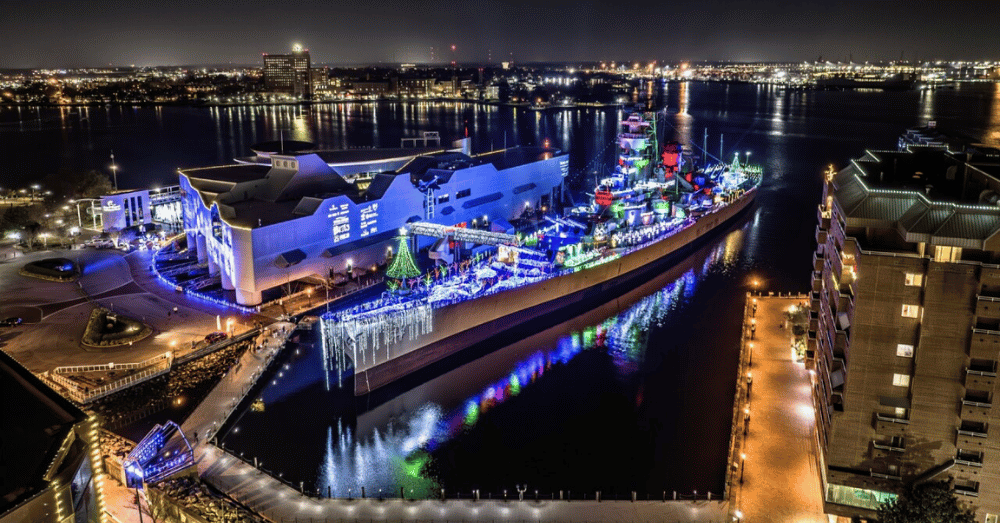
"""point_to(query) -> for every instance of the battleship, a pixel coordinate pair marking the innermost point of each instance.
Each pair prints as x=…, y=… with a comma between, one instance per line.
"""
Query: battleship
x=481, y=283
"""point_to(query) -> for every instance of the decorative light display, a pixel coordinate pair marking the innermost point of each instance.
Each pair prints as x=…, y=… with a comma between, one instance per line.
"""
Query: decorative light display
x=403, y=267
x=187, y=290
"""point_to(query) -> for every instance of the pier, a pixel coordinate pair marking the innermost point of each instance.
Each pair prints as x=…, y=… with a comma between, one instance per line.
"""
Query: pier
x=775, y=456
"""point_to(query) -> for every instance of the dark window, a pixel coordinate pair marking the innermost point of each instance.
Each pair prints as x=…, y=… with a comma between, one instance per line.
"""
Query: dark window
x=463, y=193
x=443, y=199
x=482, y=199
x=526, y=187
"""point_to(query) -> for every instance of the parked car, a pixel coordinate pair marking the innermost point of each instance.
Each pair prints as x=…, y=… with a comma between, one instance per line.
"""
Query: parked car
x=11, y=322
x=216, y=337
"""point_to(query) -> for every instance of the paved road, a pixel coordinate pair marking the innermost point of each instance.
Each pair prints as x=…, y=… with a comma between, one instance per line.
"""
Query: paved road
x=781, y=480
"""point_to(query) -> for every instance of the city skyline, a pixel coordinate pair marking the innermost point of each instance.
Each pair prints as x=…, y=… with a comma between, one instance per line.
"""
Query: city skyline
x=72, y=34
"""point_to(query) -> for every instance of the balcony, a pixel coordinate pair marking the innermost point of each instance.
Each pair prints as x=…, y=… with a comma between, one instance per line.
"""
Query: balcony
x=977, y=399
x=969, y=458
x=817, y=282
x=975, y=429
x=888, y=424
x=981, y=374
x=817, y=262
x=988, y=327
x=845, y=302
x=823, y=217
x=894, y=444
x=837, y=402
x=821, y=235
x=966, y=487
x=987, y=307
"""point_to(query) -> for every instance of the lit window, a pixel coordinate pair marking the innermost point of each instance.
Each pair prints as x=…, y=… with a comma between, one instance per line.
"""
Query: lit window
x=904, y=350
x=947, y=254
x=900, y=412
x=901, y=380
x=914, y=280
x=992, y=518
x=911, y=311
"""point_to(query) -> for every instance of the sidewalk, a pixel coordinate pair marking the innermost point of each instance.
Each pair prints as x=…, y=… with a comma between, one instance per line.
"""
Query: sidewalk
x=780, y=478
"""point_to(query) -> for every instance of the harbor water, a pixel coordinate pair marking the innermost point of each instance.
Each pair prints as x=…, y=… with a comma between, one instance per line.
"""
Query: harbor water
x=633, y=395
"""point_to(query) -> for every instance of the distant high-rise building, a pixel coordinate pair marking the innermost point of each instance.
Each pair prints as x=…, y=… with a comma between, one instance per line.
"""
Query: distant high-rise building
x=288, y=73
x=906, y=325
x=320, y=79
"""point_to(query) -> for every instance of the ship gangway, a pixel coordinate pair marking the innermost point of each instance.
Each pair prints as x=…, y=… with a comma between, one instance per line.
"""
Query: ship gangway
x=477, y=236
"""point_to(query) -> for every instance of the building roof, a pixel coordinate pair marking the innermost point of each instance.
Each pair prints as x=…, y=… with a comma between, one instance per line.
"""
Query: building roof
x=868, y=200
x=287, y=194
x=516, y=156
x=36, y=421
x=229, y=173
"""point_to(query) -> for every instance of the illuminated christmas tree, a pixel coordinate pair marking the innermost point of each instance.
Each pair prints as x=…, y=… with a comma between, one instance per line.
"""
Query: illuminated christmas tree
x=402, y=266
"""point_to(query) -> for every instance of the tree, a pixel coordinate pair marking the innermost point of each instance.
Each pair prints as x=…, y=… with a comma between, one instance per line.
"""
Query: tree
x=931, y=502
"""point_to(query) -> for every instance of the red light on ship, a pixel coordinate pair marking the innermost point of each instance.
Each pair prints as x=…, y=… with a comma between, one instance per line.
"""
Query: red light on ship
x=604, y=198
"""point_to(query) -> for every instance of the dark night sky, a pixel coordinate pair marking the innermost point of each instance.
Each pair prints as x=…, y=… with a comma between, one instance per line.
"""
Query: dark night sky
x=56, y=33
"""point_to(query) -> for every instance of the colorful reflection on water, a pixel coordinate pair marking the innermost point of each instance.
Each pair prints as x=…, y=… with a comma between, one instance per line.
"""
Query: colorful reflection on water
x=400, y=454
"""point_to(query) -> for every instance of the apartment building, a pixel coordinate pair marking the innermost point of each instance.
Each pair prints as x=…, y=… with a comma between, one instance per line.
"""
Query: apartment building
x=905, y=327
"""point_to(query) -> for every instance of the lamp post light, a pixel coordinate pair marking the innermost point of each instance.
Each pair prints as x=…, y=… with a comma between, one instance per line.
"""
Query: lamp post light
x=34, y=187
x=45, y=239
x=743, y=468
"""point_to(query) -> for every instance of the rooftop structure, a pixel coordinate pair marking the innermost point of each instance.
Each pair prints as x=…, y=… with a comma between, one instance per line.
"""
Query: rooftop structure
x=905, y=324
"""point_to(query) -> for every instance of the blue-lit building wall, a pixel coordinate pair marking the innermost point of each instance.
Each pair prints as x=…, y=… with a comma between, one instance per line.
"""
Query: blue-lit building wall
x=340, y=233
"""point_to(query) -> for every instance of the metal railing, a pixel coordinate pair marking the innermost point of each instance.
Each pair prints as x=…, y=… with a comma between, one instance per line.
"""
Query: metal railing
x=154, y=367
x=973, y=433
x=974, y=403
x=889, y=447
x=107, y=367
x=891, y=419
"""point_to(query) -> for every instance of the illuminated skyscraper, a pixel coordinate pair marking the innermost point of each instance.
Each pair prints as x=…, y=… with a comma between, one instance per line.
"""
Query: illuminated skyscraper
x=288, y=73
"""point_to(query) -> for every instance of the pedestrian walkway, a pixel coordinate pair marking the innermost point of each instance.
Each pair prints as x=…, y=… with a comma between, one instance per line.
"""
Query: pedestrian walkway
x=776, y=468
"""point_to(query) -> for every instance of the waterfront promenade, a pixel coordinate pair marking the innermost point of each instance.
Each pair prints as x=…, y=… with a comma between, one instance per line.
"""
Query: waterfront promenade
x=779, y=480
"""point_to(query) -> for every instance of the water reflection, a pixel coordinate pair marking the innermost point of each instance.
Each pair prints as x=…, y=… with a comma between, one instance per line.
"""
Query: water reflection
x=398, y=444
x=993, y=124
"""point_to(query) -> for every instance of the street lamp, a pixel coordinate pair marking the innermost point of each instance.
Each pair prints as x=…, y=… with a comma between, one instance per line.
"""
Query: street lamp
x=45, y=239
x=743, y=462
x=34, y=187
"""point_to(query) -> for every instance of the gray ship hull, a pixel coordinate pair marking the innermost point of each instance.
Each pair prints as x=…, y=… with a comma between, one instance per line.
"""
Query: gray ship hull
x=464, y=324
